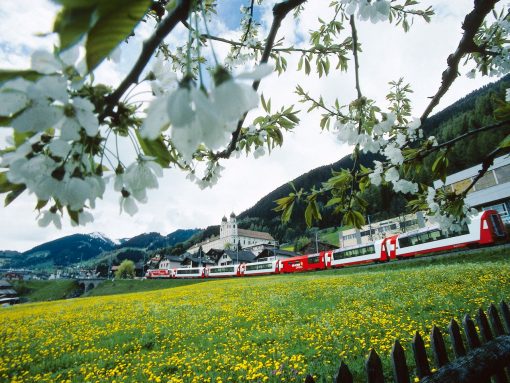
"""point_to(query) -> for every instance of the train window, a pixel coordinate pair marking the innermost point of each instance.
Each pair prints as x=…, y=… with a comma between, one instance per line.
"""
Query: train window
x=259, y=266
x=497, y=226
x=221, y=270
x=313, y=259
x=503, y=174
x=430, y=236
x=354, y=252
x=187, y=271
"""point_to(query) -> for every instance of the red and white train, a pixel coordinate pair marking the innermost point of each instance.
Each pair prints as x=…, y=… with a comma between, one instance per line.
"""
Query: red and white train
x=485, y=229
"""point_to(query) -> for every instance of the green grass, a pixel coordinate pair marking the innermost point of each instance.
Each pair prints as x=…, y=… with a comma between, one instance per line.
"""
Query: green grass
x=137, y=285
x=38, y=291
x=247, y=329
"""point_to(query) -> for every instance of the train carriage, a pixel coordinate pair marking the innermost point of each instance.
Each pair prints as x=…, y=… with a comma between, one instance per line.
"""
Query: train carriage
x=223, y=271
x=317, y=261
x=159, y=273
x=190, y=272
x=359, y=254
x=484, y=229
x=261, y=268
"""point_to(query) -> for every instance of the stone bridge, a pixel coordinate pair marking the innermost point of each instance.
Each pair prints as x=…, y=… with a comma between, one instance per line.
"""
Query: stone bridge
x=89, y=283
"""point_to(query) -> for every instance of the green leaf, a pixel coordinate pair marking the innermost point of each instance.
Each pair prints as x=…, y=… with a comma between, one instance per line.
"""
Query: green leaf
x=116, y=21
x=41, y=204
x=5, y=121
x=14, y=194
x=74, y=215
x=309, y=215
x=505, y=143
x=79, y=3
x=72, y=23
x=6, y=186
x=7, y=74
x=155, y=148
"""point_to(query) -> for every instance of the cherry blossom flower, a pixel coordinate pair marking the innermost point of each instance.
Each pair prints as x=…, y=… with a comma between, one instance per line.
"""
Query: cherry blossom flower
x=376, y=175
x=50, y=216
x=394, y=154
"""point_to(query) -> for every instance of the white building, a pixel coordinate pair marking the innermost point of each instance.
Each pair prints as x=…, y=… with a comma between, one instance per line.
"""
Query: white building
x=231, y=236
x=492, y=191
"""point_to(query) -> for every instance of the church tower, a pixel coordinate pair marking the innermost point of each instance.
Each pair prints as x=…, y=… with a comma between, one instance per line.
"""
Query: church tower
x=224, y=227
x=233, y=224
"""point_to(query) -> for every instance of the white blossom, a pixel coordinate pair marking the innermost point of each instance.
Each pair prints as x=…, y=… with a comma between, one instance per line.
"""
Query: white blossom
x=157, y=119
x=259, y=152
x=128, y=205
x=50, y=217
x=84, y=217
x=165, y=80
x=59, y=148
x=12, y=102
x=376, y=175
x=45, y=62
x=432, y=204
x=394, y=154
x=347, y=133
x=392, y=174
x=405, y=186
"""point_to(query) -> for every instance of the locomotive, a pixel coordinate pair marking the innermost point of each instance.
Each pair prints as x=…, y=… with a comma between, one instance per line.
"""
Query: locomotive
x=485, y=229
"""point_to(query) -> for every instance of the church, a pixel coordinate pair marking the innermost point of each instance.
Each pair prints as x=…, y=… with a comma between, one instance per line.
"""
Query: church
x=231, y=236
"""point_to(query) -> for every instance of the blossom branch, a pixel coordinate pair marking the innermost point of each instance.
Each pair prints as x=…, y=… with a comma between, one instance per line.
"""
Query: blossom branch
x=180, y=13
x=280, y=11
x=248, y=28
x=472, y=23
x=486, y=164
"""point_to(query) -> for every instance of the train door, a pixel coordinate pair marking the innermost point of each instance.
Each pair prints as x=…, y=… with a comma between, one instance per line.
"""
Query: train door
x=389, y=248
x=491, y=228
x=328, y=256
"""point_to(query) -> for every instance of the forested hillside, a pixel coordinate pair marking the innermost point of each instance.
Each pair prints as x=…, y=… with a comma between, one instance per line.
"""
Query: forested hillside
x=471, y=112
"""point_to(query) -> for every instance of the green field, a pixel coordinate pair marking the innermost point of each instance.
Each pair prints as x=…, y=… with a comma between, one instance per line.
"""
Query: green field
x=274, y=329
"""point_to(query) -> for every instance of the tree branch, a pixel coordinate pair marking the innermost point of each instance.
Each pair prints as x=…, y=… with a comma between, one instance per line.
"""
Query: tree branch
x=248, y=28
x=472, y=23
x=149, y=47
x=280, y=11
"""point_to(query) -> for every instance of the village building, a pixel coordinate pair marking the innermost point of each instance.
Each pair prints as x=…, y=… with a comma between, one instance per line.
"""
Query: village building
x=492, y=191
x=235, y=257
x=272, y=252
x=8, y=296
x=231, y=237
x=379, y=230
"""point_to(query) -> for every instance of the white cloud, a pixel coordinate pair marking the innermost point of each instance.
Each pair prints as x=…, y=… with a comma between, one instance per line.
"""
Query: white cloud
x=388, y=53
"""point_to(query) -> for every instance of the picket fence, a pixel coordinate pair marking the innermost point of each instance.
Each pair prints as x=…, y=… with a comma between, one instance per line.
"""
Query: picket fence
x=486, y=356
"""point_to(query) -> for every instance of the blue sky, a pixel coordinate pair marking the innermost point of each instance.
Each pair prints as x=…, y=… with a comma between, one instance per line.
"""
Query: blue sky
x=231, y=8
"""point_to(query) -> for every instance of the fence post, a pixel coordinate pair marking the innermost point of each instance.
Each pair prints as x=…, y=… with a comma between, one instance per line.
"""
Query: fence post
x=456, y=339
x=471, y=334
x=420, y=356
x=374, y=368
x=495, y=320
x=438, y=347
x=398, y=361
x=505, y=312
x=483, y=324
x=343, y=375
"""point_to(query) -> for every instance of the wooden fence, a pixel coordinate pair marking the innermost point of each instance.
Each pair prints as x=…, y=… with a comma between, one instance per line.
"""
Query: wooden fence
x=486, y=356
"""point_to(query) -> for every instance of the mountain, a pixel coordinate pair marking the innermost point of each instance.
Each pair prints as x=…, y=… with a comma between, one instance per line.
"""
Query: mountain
x=86, y=248
x=66, y=251
x=6, y=256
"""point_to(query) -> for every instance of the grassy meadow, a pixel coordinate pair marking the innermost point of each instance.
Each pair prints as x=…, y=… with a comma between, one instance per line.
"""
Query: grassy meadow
x=262, y=329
